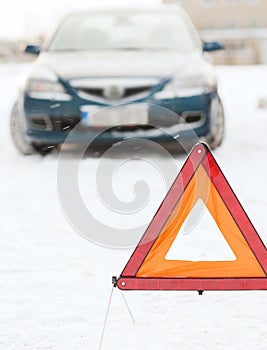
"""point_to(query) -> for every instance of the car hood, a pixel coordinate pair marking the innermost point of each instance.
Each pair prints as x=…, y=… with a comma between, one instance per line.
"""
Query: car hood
x=118, y=64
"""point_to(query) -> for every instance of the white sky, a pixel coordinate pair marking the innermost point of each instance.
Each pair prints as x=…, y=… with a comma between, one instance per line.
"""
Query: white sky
x=26, y=18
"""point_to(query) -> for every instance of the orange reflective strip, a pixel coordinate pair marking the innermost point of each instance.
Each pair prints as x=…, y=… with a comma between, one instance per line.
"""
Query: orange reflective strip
x=245, y=265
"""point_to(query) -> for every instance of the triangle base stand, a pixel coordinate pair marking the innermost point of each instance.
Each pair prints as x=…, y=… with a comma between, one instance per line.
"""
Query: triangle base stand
x=191, y=284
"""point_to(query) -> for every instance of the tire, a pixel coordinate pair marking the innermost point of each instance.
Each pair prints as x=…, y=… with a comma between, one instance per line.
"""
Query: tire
x=216, y=139
x=19, y=137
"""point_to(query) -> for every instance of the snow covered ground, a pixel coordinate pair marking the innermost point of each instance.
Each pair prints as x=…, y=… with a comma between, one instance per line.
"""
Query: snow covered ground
x=55, y=285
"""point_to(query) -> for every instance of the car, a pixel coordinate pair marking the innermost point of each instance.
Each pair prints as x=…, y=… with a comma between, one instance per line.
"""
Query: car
x=148, y=58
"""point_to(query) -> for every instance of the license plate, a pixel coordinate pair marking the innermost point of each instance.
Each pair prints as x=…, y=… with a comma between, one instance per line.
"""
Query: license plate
x=96, y=116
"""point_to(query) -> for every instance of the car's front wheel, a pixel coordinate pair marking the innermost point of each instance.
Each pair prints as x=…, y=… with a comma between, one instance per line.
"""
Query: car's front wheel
x=19, y=137
x=217, y=135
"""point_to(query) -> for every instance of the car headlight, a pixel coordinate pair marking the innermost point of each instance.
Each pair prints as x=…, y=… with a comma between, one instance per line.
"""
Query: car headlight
x=48, y=90
x=186, y=86
x=44, y=86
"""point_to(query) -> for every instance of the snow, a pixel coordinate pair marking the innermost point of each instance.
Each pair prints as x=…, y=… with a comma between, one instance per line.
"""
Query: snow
x=55, y=285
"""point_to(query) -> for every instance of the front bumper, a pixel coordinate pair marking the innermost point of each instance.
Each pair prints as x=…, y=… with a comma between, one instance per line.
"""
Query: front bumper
x=50, y=122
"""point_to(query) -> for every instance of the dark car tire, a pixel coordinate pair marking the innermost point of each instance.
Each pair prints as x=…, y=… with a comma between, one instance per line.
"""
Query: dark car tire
x=216, y=139
x=19, y=137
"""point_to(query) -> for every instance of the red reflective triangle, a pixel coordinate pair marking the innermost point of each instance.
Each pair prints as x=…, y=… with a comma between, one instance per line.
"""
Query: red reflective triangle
x=141, y=272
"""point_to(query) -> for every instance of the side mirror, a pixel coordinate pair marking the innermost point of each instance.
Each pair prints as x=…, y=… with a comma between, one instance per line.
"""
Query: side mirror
x=210, y=46
x=32, y=49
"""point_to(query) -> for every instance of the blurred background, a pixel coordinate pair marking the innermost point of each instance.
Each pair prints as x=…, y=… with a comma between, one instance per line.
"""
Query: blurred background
x=241, y=25
x=55, y=285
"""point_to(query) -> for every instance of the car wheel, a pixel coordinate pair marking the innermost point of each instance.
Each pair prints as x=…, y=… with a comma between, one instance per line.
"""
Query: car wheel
x=19, y=137
x=217, y=136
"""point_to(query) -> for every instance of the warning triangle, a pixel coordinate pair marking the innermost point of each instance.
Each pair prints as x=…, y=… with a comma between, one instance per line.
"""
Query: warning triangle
x=151, y=266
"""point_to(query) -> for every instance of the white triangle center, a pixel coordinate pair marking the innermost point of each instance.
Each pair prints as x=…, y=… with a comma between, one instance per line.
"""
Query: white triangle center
x=200, y=239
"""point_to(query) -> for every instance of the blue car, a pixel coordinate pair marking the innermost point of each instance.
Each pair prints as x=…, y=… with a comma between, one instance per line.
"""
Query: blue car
x=107, y=74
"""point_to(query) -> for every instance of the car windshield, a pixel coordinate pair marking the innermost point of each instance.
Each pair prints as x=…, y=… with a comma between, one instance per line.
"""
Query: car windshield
x=125, y=31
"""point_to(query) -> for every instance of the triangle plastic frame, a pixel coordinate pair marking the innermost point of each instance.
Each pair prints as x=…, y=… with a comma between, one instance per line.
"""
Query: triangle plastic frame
x=200, y=155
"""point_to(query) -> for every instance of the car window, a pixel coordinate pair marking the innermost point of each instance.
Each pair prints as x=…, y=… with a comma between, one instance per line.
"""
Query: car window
x=122, y=31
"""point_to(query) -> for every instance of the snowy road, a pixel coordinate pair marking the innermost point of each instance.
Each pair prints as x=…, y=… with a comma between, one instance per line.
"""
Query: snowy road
x=55, y=285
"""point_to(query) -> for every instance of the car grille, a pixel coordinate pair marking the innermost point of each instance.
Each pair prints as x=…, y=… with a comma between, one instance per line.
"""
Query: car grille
x=44, y=122
x=192, y=117
x=128, y=92
x=41, y=122
x=113, y=89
